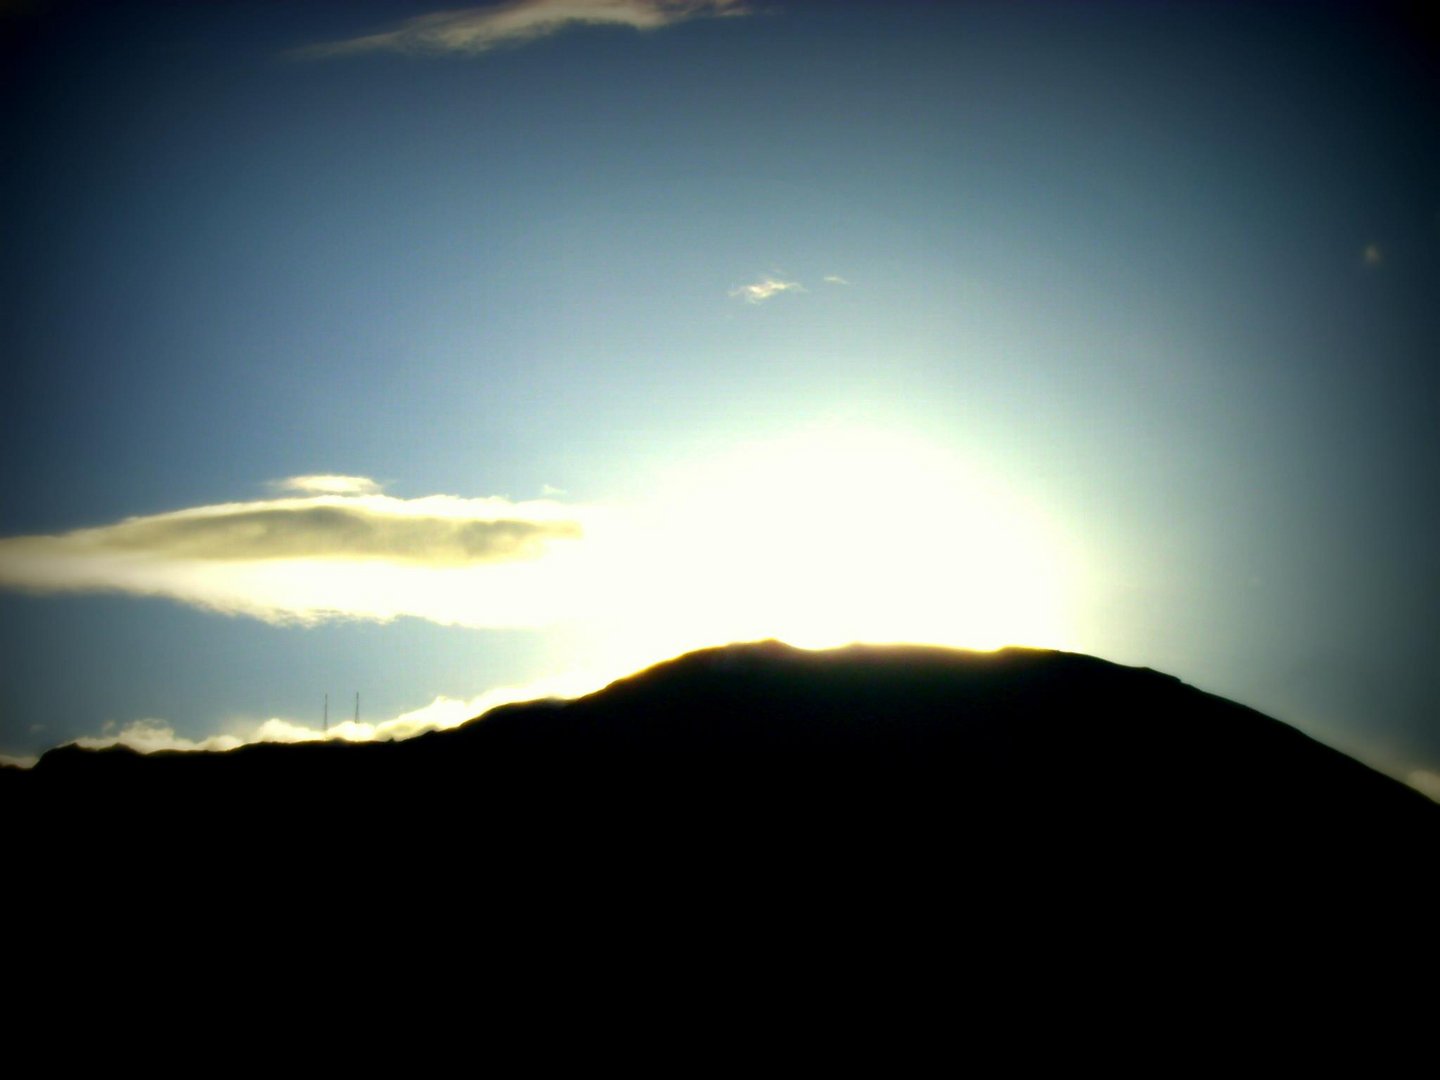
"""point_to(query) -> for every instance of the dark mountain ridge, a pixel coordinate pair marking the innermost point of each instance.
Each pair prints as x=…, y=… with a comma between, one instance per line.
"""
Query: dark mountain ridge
x=1045, y=735
x=757, y=799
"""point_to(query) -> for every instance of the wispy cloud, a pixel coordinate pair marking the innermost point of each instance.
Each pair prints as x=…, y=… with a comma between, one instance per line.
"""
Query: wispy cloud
x=302, y=558
x=764, y=289
x=149, y=735
x=475, y=30
x=443, y=713
x=328, y=484
x=835, y=279
x=386, y=529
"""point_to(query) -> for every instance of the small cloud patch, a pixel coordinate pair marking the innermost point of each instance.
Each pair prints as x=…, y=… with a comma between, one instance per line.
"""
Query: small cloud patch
x=147, y=736
x=475, y=30
x=441, y=714
x=328, y=484
x=760, y=291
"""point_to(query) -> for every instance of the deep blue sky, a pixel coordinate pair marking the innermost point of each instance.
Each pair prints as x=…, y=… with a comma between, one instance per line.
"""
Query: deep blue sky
x=1163, y=275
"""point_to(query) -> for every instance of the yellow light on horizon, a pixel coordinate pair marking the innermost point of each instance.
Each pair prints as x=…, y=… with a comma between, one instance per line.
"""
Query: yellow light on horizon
x=827, y=538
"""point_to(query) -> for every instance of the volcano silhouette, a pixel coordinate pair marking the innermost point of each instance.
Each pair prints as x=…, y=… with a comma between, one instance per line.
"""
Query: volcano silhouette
x=763, y=801
x=751, y=736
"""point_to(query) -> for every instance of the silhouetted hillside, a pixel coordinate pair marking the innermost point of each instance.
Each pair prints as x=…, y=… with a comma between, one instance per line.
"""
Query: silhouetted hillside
x=749, y=796
x=1041, y=739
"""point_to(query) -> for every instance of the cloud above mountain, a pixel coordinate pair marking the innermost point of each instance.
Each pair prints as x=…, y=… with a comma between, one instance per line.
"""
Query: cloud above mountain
x=358, y=553
x=757, y=292
x=326, y=532
x=328, y=484
x=475, y=30
x=441, y=714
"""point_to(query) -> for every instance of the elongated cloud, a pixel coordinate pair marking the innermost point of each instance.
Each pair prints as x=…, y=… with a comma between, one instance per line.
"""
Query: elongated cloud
x=443, y=713
x=365, y=555
x=329, y=484
x=764, y=289
x=150, y=735
x=476, y=30
x=327, y=531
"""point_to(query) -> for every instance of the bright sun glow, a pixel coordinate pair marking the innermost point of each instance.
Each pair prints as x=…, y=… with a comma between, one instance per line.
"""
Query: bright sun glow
x=829, y=538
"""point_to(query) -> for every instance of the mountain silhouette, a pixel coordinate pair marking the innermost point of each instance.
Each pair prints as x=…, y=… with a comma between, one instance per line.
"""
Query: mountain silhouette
x=748, y=733
x=849, y=806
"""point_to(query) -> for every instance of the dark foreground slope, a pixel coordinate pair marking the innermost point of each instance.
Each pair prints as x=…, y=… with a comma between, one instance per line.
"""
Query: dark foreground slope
x=759, y=737
x=851, y=816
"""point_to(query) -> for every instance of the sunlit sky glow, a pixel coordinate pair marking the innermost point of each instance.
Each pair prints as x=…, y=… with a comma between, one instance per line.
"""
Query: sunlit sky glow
x=462, y=355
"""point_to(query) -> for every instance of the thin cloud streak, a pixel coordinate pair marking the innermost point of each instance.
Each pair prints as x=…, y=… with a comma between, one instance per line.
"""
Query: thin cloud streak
x=443, y=713
x=480, y=29
x=764, y=289
x=149, y=735
x=328, y=484
x=327, y=532
x=475, y=562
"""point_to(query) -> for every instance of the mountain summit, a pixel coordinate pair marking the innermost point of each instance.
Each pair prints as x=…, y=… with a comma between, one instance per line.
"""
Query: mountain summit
x=758, y=792
x=1025, y=736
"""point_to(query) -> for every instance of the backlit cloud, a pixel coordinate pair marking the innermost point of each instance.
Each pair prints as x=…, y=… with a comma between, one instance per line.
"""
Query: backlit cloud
x=147, y=736
x=241, y=532
x=764, y=289
x=443, y=713
x=480, y=562
x=835, y=279
x=476, y=30
x=329, y=484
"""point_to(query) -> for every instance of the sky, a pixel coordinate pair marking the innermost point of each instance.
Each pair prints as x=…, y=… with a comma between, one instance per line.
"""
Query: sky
x=448, y=356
